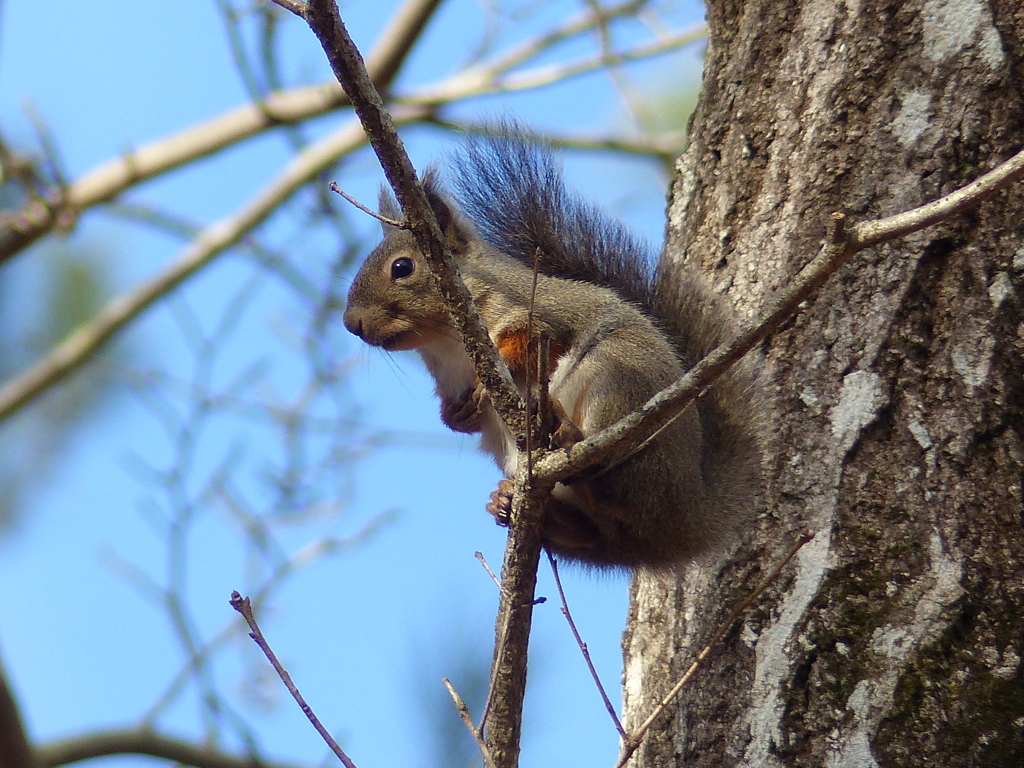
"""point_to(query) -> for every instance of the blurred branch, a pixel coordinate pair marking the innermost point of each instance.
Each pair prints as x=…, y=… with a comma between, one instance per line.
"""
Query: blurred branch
x=585, y=22
x=172, y=224
x=664, y=147
x=15, y=751
x=20, y=229
x=307, y=555
x=487, y=79
x=88, y=339
x=142, y=742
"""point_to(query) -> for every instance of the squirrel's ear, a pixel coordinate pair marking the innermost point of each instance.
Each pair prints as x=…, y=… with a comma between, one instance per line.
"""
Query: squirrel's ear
x=387, y=206
x=456, y=233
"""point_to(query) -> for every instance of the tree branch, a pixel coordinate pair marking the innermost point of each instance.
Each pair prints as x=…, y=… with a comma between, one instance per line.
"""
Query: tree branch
x=15, y=751
x=844, y=243
x=104, y=183
x=142, y=742
x=88, y=339
x=347, y=64
x=522, y=552
x=584, y=649
x=488, y=80
x=244, y=607
x=467, y=719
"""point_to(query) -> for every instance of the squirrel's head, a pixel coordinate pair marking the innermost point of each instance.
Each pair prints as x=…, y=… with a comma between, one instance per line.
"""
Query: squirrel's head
x=394, y=302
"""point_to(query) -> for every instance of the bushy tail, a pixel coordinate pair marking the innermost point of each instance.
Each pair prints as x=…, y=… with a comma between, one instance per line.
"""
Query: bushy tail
x=511, y=187
x=734, y=411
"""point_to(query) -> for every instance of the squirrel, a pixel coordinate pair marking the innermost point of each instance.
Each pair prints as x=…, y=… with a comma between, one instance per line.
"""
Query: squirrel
x=620, y=329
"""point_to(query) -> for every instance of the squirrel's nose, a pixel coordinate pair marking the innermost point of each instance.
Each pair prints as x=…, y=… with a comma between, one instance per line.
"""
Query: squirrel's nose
x=354, y=324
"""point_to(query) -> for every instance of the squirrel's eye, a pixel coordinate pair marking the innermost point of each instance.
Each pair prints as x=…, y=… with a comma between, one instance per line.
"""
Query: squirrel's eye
x=401, y=267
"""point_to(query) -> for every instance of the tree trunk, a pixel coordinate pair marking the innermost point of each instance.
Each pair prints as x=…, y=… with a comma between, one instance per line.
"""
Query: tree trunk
x=895, y=638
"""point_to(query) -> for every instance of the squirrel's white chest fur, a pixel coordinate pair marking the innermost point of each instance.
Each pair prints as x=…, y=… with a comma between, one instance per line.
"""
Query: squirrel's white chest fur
x=454, y=374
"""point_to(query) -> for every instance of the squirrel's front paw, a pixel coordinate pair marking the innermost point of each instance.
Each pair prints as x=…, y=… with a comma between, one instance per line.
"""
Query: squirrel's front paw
x=500, y=505
x=463, y=413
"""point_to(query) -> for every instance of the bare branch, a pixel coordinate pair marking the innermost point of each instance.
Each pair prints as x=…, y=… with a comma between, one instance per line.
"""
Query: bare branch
x=483, y=561
x=142, y=742
x=581, y=24
x=842, y=246
x=105, y=182
x=584, y=650
x=242, y=605
x=869, y=233
x=633, y=741
x=503, y=713
x=468, y=720
x=384, y=219
x=295, y=6
x=486, y=80
x=15, y=750
x=88, y=339
x=347, y=65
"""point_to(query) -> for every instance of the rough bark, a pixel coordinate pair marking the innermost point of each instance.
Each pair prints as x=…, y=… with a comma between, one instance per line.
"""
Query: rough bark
x=896, y=637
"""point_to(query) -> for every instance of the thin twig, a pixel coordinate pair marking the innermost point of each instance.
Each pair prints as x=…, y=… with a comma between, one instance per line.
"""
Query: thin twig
x=295, y=6
x=468, y=720
x=483, y=561
x=242, y=605
x=584, y=650
x=632, y=743
x=333, y=186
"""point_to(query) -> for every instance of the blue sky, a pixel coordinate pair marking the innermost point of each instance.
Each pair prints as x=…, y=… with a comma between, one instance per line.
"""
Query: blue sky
x=363, y=633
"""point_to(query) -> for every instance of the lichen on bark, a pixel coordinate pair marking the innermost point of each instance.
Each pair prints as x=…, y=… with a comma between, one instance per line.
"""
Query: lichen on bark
x=896, y=637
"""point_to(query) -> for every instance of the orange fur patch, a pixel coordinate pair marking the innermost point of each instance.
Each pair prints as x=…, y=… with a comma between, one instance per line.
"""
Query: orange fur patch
x=512, y=348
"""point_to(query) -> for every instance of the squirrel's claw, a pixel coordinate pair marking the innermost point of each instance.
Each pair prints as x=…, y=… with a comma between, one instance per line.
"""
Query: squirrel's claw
x=500, y=505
